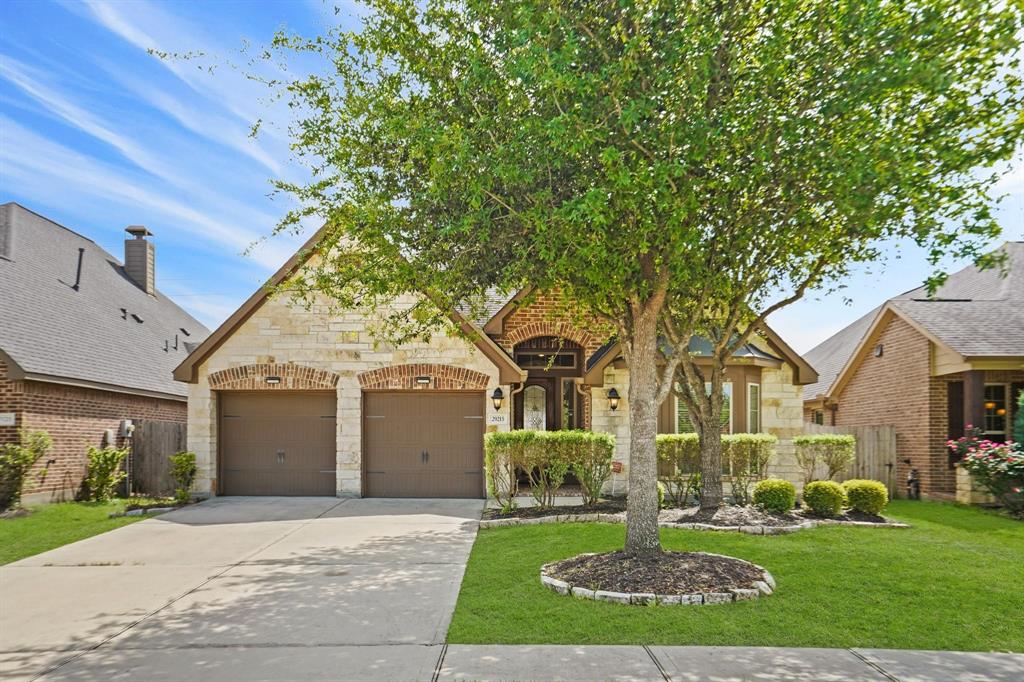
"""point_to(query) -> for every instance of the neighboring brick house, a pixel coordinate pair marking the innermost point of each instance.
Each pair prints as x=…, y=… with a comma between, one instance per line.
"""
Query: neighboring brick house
x=85, y=343
x=929, y=366
x=290, y=399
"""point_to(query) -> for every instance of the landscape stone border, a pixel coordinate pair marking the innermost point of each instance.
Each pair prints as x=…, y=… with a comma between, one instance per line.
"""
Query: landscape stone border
x=143, y=512
x=764, y=587
x=750, y=530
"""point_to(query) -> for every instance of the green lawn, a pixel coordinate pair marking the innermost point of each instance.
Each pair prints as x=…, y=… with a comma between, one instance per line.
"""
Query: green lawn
x=953, y=581
x=52, y=525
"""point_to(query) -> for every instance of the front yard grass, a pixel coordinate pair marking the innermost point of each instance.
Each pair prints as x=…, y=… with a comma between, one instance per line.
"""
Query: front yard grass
x=52, y=525
x=951, y=582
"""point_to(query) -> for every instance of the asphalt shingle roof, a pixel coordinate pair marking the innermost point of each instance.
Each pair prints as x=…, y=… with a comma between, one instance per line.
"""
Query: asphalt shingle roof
x=977, y=313
x=48, y=328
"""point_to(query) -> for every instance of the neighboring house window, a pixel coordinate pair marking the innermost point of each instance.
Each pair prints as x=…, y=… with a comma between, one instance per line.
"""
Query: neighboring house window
x=685, y=425
x=753, y=408
x=996, y=412
x=818, y=417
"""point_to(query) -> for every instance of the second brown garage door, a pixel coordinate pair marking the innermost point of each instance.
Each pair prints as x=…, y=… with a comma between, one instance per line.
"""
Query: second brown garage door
x=423, y=444
x=277, y=443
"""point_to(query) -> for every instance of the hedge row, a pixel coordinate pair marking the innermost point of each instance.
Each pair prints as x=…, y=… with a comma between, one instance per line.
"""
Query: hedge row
x=830, y=451
x=745, y=457
x=546, y=457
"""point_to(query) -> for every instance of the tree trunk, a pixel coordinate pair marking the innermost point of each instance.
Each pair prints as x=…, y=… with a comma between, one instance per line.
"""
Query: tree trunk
x=710, y=431
x=642, y=499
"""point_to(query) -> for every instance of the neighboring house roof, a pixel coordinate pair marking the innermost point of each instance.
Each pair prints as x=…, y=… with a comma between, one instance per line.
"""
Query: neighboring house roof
x=508, y=370
x=91, y=336
x=975, y=313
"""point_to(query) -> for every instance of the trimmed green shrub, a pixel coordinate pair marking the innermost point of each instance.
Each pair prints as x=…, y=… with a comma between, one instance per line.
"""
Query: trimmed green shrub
x=679, y=466
x=546, y=457
x=661, y=495
x=824, y=498
x=104, y=472
x=865, y=495
x=1018, y=421
x=16, y=460
x=746, y=456
x=775, y=494
x=833, y=451
x=183, y=473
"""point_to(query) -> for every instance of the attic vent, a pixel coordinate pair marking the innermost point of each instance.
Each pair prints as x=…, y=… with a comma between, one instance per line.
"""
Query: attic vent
x=124, y=313
x=136, y=318
x=184, y=331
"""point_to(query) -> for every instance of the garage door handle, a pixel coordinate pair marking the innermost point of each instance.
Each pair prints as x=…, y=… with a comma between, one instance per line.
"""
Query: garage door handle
x=280, y=456
x=424, y=456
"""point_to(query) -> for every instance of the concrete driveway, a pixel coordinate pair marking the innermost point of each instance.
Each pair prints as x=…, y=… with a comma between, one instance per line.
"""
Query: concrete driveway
x=244, y=589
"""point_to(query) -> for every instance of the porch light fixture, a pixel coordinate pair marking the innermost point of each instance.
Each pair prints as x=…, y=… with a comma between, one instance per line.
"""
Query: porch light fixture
x=273, y=380
x=990, y=405
x=497, y=398
x=422, y=381
x=613, y=400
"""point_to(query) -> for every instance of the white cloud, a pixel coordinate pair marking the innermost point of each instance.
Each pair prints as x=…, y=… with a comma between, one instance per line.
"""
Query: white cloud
x=35, y=166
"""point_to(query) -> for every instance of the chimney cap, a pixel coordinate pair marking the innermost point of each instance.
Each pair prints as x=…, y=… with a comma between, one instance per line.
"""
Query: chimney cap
x=138, y=231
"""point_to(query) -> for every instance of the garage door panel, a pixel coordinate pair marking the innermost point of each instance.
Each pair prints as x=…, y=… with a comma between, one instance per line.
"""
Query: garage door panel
x=423, y=444
x=278, y=444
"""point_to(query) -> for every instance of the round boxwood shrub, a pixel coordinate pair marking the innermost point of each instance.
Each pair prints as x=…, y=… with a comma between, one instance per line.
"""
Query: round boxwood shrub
x=866, y=496
x=775, y=494
x=825, y=498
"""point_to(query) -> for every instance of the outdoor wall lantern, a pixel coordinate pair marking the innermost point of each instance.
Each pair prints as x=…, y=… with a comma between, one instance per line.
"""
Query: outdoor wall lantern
x=613, y=400
x=497, y=398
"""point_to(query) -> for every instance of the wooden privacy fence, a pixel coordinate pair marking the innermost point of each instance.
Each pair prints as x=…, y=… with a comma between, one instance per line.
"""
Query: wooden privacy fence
x=876, y=453
x=152, y=443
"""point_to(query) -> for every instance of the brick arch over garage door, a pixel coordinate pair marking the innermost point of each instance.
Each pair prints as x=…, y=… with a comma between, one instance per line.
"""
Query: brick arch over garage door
x=442, y=378
x=292, y=377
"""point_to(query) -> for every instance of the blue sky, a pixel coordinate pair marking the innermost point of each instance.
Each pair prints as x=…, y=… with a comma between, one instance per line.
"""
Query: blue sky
x=97, y=134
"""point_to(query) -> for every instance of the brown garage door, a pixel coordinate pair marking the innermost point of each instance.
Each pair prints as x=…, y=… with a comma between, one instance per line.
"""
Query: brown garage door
x=277, y=443
x=423, y=444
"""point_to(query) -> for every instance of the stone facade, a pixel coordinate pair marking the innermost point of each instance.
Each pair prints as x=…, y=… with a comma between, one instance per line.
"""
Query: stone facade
x=318, y=347
x=343, y=345
x=75, y=418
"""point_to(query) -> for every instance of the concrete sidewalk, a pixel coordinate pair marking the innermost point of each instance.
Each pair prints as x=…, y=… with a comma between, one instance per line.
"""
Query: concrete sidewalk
x=571, y=663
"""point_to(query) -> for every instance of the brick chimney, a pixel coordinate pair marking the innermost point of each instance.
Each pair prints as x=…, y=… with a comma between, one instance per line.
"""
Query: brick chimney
x=140, y=258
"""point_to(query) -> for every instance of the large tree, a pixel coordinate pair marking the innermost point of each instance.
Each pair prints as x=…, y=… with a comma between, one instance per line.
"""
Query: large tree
x=654, y=161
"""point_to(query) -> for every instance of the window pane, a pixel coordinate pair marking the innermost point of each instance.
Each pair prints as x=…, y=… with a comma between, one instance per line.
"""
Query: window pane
x=683, y=423
x=535, y=414
x=754, y=405
x=568, y=405
x=995, y=409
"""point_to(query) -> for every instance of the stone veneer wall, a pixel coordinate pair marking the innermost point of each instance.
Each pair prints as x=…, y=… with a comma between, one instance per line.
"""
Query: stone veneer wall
x=781, y=415
x=322, y=339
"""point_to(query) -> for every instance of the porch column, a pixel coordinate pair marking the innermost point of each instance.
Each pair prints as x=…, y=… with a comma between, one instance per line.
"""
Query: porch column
x=974, y=398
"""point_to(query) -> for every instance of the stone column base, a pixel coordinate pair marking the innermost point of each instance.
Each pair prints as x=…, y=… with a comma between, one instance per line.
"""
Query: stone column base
x=968, y=491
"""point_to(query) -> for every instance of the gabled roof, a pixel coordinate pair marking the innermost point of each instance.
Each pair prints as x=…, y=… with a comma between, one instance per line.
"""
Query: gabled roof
x=92, y=336
x=187, y=370
x=975, y=313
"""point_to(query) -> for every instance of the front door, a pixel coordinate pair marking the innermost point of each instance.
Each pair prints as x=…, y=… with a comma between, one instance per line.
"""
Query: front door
x=535, y=406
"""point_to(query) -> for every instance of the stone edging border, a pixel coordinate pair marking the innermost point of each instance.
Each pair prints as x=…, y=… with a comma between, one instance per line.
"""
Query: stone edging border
x=142, y=512
x=764, y=587
x=750, y=530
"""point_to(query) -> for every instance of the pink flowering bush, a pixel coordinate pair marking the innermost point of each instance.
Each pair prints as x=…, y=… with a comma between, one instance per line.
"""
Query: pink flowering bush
x=999, y=467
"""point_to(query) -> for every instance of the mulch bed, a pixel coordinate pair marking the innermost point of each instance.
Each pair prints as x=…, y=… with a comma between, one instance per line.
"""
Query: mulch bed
x=613, y=506
x=846, y=515
x=663, y=573
x=730, y=515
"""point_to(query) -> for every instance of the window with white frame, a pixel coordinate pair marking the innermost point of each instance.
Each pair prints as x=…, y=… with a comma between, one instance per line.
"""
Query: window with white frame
x=685, y=425
x=753, y=408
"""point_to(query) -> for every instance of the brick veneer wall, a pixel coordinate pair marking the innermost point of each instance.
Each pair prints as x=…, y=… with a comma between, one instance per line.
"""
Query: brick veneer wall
x=542, y=318
x=254, y=378
x=945, y=476
x=896, y=389
x=75, y=418
x=442, y=378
